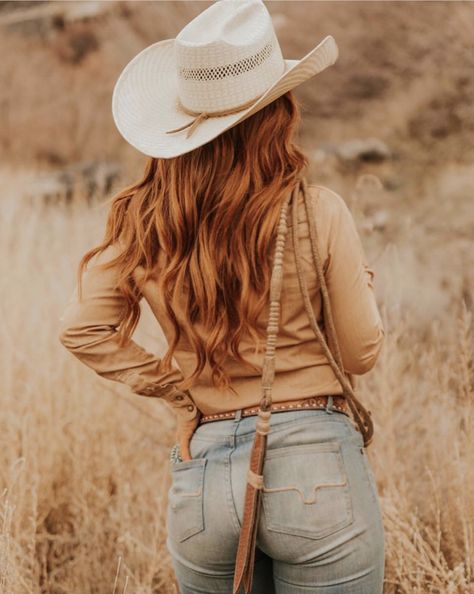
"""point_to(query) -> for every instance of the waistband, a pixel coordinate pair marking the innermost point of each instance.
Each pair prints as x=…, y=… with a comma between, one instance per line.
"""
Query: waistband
x=335, y=402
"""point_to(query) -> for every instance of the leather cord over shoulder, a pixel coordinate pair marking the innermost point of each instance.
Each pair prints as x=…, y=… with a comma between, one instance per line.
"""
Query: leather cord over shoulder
x=333, y=354
x=245, y=557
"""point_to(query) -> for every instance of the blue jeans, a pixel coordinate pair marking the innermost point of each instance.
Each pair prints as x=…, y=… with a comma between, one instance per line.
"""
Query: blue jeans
x=320, y=528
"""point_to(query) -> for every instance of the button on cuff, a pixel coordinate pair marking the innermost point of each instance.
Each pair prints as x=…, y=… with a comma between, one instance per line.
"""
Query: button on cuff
x=180, y=401
x=188, y=413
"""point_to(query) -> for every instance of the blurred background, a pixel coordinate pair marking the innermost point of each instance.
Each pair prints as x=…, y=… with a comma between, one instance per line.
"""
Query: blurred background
x=83, y=465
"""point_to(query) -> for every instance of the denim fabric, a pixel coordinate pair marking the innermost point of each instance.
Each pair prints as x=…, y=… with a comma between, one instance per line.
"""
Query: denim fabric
x=320, y=528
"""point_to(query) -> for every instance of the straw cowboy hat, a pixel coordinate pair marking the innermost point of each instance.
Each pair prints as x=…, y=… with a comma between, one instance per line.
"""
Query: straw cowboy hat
x=225, y=65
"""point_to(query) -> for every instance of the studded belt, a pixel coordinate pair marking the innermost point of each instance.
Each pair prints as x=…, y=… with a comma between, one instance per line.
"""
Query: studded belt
x=339, y=404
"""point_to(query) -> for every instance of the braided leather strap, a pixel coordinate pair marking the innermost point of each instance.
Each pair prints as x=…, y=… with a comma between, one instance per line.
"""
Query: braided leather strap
x=245, y=558
x=360, y=413
x=244, y=565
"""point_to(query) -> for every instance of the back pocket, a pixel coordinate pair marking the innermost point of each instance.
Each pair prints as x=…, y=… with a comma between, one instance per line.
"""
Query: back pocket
x=306, y=491
x=185, y=499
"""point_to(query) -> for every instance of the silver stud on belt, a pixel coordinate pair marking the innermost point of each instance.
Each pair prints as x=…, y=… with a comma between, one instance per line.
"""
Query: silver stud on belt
x=311, y=403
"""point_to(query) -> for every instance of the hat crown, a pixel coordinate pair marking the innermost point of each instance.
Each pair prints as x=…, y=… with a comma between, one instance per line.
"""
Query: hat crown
x=233, y=21
x=227, y=56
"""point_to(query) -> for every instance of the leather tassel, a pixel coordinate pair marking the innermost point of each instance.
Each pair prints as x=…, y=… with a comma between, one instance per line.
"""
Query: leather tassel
x=245, y=559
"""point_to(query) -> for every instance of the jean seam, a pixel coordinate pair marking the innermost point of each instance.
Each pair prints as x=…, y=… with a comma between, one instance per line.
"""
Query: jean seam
x=372, y=485
x=229, y=493
x=224, y=438
x=365, y=463
x=301, y=422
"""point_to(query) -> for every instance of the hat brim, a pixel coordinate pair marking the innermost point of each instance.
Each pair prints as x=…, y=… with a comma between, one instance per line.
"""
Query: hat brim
x=144, y=100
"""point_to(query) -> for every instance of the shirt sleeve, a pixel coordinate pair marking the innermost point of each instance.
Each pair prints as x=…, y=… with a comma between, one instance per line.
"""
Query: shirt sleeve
x=88, y=329
x=350, y=286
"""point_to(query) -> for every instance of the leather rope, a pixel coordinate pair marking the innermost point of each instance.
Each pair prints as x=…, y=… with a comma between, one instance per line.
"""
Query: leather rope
x=200, y=116
x=245, y=558
x=361, y=414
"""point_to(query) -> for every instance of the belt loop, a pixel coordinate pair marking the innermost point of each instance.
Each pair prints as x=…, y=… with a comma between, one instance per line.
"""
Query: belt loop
x=329, y=405
x=238, y=414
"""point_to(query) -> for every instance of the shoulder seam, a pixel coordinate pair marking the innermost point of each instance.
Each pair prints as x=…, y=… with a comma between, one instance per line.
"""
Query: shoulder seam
x=320, y=187
x=332, y=196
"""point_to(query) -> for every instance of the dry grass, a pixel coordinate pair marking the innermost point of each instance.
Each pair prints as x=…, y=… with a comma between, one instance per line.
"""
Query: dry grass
x=84, y=472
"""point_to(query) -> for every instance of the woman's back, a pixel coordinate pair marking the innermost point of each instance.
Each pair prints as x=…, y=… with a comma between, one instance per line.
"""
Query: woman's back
x=301, y=368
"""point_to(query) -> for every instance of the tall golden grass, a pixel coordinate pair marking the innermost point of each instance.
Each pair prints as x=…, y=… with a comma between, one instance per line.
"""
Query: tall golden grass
x=83, y=465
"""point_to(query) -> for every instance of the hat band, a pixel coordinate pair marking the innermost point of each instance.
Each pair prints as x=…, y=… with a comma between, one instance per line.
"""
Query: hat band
x=200, y=116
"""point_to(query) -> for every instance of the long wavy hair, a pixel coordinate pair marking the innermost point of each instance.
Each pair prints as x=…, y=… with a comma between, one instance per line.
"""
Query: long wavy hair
x=214, y=213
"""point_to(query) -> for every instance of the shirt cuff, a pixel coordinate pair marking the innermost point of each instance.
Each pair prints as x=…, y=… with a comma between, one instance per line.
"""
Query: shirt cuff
x=179, y=400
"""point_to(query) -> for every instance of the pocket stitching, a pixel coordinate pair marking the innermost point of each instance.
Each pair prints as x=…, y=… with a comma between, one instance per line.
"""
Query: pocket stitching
x=331, y=447
x=295, y=488
x=198, y=503
x=184, y=464
x=326, y=446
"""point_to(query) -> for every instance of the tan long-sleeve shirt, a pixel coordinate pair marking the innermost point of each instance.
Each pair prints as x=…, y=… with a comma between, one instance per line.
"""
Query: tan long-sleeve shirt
x=89, y=328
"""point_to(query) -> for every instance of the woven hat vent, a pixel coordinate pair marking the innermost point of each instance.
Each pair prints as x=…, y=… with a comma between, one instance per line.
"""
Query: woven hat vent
x=222, y=62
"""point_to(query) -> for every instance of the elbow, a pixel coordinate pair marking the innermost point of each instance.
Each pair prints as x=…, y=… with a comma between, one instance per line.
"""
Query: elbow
x=74, y=337
x=70, y=334
x=68, y=337
x=364, y=359
x=84, y=340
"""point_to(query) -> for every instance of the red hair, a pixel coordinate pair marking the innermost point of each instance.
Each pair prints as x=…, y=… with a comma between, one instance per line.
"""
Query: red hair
x=213, y=212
